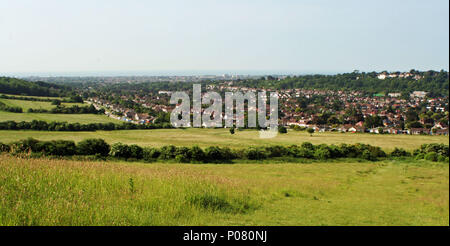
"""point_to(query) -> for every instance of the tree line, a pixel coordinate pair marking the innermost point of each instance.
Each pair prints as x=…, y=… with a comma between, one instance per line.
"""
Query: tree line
x=75, y=109
x=12, y=109
x=215, y=154
x=39, y=125
x=22, y=87
x=72, y=99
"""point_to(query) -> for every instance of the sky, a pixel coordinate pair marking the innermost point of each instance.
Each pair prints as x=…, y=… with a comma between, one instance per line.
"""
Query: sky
x=213, y=37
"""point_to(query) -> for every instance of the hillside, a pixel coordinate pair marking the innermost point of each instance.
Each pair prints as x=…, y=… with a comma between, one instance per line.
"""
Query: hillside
x=22, y=87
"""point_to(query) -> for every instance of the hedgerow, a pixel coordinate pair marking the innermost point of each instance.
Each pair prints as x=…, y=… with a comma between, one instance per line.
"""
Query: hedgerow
x=215, y=154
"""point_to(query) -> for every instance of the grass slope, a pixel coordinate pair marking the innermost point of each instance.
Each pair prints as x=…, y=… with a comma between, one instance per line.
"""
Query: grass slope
x=71, y=118
x=58, y=192
x=222, y=137
x=25, y=105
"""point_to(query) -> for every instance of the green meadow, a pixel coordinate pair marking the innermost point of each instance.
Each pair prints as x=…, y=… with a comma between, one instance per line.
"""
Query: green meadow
x=219, y=137
x=71, y=118
x=63, y=192
x=21, y=96
x=25, y=105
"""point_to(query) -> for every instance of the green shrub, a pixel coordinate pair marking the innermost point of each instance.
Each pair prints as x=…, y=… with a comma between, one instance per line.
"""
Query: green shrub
x=26, y=145
x=183, y=154
x=4, y=147
x=282, y=130
x=136, y=151
x=419, y=156
x=57, y=147
x=399, y=152
x=322, y=153
x=442, y=158
x=149, y=154
x=197, y=154
x=93, y=146
x=120, y=150
x=276, y=151
x=253, y=153
x=440, y=149
x=217, y=154
x=167, y=152
x=432, y=156
x=307, y=145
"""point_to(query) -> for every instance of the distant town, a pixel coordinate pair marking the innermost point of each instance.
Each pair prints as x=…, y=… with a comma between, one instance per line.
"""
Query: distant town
x=320, y=109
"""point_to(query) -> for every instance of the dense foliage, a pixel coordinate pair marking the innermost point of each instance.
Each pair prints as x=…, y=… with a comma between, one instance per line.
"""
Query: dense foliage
x=39, y=125
x=55, y=101
x=21, y=87
x=75, y=109
x=214, y=154
x=4, y=107
x=436, y=83
x=432, y=152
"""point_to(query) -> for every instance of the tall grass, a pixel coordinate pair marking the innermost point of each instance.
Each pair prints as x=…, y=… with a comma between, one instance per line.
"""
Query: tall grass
x=61, y=192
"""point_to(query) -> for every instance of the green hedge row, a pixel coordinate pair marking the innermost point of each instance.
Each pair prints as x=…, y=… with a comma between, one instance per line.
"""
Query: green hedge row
x=39, y=125
x=432, y=152
x=214, y=154
x=4, y=107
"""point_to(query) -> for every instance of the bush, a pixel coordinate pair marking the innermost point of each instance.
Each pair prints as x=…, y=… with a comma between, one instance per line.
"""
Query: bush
x=399, y=152
x=322, y=153
x=307, y=145
x=442, y=158
x=255, y=154
x=149, y=154
x=282, y=130
x=376, y=151
x=217, y=154
x=301, y=152
x=440, y=149
x=197, y=154
x=120, y=150
x=183, y=154
x=419, y=156
x=57, y=147
x=335, y=151
x=26, y=145
x=4, y=148
x=349, y=151
x=432, y=156
x=93, y=147
x=168, y=152
x=276, y=151
x=367, y=155
x=136, y=151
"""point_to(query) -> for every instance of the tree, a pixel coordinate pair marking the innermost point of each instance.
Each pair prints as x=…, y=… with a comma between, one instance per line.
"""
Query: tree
x=310, y=131
x=93, y=147
x=56, y=102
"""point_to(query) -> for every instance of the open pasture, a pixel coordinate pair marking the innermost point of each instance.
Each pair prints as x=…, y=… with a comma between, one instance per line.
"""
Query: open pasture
x=62, y=192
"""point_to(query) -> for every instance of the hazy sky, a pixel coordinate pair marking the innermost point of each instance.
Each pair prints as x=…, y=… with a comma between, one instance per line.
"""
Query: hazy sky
x=43, y=36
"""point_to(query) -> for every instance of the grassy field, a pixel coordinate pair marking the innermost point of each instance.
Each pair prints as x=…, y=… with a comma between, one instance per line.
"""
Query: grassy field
x=51, y=98
x=25, y=105
x=71, y=118
x=222, y=137
x=61, y=192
